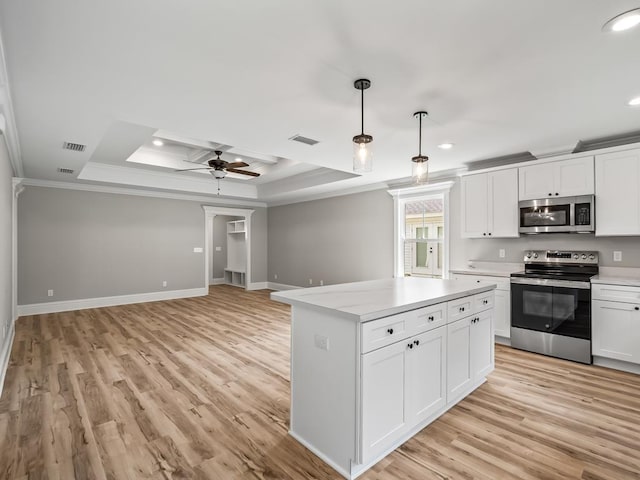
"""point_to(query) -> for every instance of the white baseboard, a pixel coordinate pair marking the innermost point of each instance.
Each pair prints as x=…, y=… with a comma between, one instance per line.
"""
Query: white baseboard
x=5, y=353
x=280, y=286
x=216, y=281
x=616, y=364
x=67, y=305
x=258, y=286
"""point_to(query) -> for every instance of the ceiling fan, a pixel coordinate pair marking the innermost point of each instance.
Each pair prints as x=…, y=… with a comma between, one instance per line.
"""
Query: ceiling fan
x=219, y=168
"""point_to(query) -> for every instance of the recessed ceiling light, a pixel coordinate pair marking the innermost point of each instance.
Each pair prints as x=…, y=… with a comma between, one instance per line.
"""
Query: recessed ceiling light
x=634, y=102
x=157, y=142
x=623, y=22
x=445, y=146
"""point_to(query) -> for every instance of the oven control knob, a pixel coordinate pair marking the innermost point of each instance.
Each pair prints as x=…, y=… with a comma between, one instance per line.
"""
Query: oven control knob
x=535, y=255
x=584, y=256
x=528, y=254
x=592, y=257
x=576, y=256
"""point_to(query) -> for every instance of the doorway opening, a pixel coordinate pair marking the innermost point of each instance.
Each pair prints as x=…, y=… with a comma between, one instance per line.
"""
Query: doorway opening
x=238, y=232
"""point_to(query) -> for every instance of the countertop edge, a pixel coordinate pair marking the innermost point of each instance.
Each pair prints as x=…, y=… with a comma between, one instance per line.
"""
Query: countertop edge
x=627, y=282
x=386, y=312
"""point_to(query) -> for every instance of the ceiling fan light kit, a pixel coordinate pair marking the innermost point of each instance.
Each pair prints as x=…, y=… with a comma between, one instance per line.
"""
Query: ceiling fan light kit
x=419, y=165
x=362, y=152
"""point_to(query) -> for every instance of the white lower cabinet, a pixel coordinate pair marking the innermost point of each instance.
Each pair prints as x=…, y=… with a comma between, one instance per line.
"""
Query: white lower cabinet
x=471, y=349
x=402, y=385
x=616, y=330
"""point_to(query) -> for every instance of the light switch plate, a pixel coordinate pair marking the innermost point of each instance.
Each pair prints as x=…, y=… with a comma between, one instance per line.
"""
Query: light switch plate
x=218, y=249
x=197, y=250
x=321, y=342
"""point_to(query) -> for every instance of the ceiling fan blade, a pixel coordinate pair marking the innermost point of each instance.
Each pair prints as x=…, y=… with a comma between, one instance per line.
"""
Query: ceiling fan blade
x=237, y=165
x=243, y=172
x=189, y=169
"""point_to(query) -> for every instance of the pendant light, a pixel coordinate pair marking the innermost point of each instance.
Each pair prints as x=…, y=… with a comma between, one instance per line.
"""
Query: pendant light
x=362, y=154
x=420, y=168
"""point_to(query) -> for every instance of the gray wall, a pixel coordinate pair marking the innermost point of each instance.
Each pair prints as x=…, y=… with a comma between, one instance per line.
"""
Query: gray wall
x=6, y=239
x=463, y=250
x=337, y=240
x=87, y=244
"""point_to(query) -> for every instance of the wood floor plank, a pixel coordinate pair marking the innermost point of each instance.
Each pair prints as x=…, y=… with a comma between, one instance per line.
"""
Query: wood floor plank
x=198, y=388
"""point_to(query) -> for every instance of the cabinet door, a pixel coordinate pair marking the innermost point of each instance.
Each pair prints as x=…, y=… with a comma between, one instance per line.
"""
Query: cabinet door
x=503, y=203
x=617, y=196
x=574, y=177
x=616, y=330
x=425, y=380
x=536, y=181
x=482, y=345
x=502, y=313
x=475, y=207
x=383, y=397
x=458, y=358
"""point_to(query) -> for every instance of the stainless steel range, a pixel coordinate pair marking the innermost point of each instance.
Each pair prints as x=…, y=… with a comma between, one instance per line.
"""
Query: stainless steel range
x=551, y=304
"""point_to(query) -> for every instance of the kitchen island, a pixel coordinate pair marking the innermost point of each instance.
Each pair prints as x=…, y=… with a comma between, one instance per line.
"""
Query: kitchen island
x=373, y=363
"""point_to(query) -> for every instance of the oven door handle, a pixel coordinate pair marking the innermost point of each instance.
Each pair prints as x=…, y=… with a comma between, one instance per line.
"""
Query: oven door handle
x=545, y=282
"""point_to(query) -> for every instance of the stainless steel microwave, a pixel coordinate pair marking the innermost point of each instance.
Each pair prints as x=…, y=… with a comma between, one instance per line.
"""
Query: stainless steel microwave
x=558, y=215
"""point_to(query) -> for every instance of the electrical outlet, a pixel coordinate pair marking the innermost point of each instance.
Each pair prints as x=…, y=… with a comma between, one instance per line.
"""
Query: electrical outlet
x=321, y=282
x=310, y=282
x=275, y=276
x=321, y=342
x=49, y=293
x=218, y=249
x=617, y=256
x=164, y=283
x=502, y=253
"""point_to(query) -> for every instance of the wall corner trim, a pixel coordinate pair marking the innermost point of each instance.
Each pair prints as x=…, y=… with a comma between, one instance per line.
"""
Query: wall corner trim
x=5, y=353
x=81, y=304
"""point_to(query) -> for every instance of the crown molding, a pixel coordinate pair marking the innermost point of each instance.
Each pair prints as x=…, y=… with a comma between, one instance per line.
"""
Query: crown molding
x=9, y=129
x=334, y=193
x=214, y=200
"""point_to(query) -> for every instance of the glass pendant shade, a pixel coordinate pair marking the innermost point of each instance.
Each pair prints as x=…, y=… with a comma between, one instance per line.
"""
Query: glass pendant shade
x=420, y=170
x=419, y=163
x=362, y=153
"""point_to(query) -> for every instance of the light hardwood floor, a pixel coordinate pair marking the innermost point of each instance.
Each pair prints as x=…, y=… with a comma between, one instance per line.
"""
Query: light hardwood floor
x=198, y=388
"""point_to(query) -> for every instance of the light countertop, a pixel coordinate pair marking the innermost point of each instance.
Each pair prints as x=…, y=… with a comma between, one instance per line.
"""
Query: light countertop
x=364, y=301
x=493, y=269
x=618, y=276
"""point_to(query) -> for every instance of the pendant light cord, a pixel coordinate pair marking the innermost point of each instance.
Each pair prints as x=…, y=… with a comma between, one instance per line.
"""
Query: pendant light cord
x=362, y=110
x=420, y=136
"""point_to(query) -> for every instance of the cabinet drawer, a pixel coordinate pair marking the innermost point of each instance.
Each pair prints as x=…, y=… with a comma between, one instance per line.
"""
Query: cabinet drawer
x=428, y=318
x=502, y=283
x=385, y=331
x=483, y=301
x=460, y=308
x=615, y=293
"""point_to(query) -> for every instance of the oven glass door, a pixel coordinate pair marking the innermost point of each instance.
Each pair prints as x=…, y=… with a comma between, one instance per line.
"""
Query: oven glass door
x=557, y=310
x=546, y=216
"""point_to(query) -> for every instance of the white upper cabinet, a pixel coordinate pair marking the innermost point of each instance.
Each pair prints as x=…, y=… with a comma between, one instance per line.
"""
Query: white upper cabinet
x=564, y=178
x=617, y=195
x=490, y=204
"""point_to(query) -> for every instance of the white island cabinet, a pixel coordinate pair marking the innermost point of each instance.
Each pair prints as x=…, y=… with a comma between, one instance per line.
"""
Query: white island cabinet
x=373, y=363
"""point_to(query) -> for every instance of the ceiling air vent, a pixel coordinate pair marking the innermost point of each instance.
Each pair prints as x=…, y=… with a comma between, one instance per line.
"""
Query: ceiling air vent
x=76, y=147
x=65, y=170
x=305, y=140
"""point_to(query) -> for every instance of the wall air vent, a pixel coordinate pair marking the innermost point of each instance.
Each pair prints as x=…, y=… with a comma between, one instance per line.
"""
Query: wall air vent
x=305, y=140
x=76, y=147
x=65, y=170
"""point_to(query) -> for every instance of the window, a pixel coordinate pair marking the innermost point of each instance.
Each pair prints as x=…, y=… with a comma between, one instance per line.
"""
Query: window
x=421, y=230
